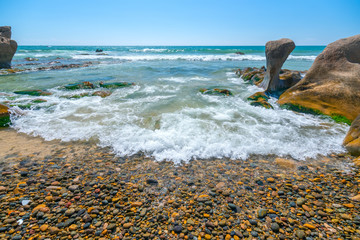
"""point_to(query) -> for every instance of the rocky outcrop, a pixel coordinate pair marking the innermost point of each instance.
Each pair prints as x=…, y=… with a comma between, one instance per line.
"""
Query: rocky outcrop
x=7, y=47
x=332, y=84
x=276, y=54
x=352, y=139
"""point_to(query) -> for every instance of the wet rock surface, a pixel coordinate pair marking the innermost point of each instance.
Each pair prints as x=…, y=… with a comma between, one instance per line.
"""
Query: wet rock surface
x=8, y=47
x=332, y=84
x=93, y=194
x=276, y=54
x=352, y=138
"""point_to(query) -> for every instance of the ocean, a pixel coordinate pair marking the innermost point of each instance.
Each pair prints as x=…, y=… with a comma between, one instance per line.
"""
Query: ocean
x=163, y=115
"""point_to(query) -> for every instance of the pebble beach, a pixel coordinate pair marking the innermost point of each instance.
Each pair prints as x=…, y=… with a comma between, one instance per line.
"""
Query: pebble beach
x=77, y=190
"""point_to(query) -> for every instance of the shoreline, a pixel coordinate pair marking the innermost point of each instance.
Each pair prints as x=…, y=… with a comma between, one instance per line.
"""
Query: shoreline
x=78, y=190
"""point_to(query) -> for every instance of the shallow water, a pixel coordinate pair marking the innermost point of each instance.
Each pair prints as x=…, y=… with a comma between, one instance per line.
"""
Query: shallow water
x=164, y=115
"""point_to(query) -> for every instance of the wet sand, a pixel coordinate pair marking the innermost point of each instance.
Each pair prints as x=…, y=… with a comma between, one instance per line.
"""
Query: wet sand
x=80, y=191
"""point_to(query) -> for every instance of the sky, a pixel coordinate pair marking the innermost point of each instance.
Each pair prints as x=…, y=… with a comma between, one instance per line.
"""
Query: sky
x=179, y=22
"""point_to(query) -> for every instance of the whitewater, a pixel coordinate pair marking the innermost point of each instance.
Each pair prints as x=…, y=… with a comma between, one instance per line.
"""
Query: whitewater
x=163, y=114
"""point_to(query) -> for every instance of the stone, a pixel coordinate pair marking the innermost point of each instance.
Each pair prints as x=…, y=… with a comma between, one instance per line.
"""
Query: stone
x=54, y=230
x=4, y=116
x=352, y=138
x=73, y=187
x=275, y=227
x=216, y=91
x=33, y=92
x=44, y=227
x=178, y=229
x=285, y=163
x=276, y=54
x=300, y=201
x=8, y=47
x=127, y=225
x=332, y=84
x=300, y=234
x=102, y=94
x=356, y=198
x=261, y=213
x=116, y=84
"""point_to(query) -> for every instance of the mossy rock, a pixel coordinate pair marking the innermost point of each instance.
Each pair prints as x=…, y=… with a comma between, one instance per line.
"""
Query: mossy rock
x=4, y=116
x=102, y=94
x=33, y=93
x=216, y=91
x=10, y=71
x=116, y=84
x=82, y=85
x=262, y=103
x=256, y=96
x=298, y=108
x=39, y=100
x=77, y=96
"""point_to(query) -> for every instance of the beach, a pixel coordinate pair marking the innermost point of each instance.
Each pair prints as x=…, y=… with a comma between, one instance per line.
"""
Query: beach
x=164, y=143
x=54, y=190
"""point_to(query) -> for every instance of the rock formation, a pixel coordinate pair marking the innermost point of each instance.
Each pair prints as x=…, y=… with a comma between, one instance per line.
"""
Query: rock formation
x=7, y=47
x=352, y=139
x=276, y=54
x=332, y=84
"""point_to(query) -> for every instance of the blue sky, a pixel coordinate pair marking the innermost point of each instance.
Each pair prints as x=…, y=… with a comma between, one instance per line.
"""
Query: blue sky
x=179, y=22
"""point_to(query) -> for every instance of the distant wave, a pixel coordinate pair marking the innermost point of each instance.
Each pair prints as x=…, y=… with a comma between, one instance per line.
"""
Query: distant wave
x=312, y=58
x=213, y=57
x=155, y=57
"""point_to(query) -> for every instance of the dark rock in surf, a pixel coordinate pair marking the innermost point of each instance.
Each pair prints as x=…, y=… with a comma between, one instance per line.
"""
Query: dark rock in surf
x=8, y=47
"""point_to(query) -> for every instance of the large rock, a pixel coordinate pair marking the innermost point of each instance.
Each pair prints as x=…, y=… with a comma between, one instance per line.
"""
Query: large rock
x=7, y=47
x=332, y=84
x=276, y=54
x=352, y=139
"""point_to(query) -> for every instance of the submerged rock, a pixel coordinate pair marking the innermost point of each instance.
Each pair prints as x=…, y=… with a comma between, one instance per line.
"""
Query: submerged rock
x=30, y=59
x=4, y=116
x=276, y=54
x=8, y=47
x=116, y=84
x=82, y=85
x=260, y=99
x=332, y=84
x=102, y=94
x=352, y=139
x=33, y=92
x=216, y=91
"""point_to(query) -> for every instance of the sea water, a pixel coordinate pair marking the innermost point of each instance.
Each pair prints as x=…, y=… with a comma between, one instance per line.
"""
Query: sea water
x=164, y=115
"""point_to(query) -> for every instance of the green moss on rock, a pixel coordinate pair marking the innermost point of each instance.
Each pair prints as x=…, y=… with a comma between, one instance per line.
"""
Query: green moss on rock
x=298, y=108
x=33, y=92
x=216, y=91
x=116, y=84
x=82, y=85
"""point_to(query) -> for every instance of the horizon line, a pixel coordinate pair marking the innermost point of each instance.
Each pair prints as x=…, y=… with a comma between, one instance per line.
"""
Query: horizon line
x=50, y=45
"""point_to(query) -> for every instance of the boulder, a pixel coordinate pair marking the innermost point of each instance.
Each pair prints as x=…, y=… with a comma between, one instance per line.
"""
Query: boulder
x=4, y=116
x=276, y=54
x=216, y=91
x=33, y=92
x=332, y=84
x=7, y=47
x=352, y=139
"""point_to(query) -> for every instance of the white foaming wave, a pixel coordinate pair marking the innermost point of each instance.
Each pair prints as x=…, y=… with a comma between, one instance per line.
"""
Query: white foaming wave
x=184, y=79
x=155, y=57
x=150, y=50
x=227, y=127
x=311, y=58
